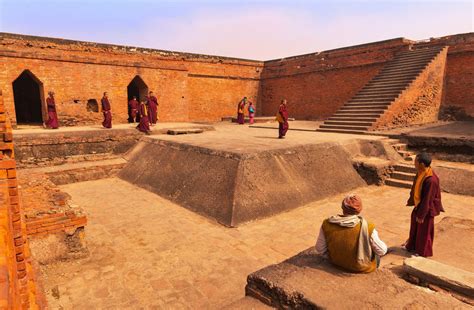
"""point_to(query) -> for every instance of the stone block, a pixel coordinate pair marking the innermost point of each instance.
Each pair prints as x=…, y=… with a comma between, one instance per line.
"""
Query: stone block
x=440, y=274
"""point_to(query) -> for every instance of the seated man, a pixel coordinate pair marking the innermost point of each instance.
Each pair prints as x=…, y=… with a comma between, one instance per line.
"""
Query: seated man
x=349, y=240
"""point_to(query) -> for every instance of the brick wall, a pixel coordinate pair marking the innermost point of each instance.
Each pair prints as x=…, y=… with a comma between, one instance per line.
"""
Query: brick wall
x=81, y=71
x=193, y=87
x=459, y=79
x=316, y=85
x=17, y=278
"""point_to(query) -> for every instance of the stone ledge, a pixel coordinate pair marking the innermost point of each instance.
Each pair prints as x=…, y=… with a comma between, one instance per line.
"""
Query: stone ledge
x=446, y=276
x=307, y=281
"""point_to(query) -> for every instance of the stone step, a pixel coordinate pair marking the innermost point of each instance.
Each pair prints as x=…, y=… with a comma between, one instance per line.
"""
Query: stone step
x=407, y=65
x=381, y=101
x=416, y=56
x=368, y=103
x=344, y=127
x=404, y=176
x=404, y=83
x=373, y=95
x=403, y=69
x=348, y=123
x=398, y=183
x=397, y=74
x=404, y=168
x=420, y=51
x=349, y=114
x=446, y=276
x=400, y=146
x=184, y=131
x=354, y=118
x=400, y=63
x=341, y=131
x=382, y=91
x=393, y=79
x=384, y=88
x=405, y=153
x=360, y=112
x=364, y=108
x=387, y=84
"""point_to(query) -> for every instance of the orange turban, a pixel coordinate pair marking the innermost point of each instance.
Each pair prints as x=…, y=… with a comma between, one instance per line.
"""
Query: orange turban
x=352, y=204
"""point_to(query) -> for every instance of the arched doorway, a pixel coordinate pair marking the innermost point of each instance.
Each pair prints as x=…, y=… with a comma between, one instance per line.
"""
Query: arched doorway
x=139, y=89
x=27, y=95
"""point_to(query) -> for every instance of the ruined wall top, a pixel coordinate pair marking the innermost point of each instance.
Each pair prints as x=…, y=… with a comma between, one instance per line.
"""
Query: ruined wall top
x=65, y=45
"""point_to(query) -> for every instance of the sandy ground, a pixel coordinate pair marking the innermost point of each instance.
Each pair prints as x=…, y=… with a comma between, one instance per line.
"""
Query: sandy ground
x=147, y=252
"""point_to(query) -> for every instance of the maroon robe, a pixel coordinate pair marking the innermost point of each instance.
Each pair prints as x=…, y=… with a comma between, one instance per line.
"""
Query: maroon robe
x=240, y=112
x=283, y=126
x=107, y=123
x=422, y=235
x=152, y=103
x=144, y=125
x=133, y=108
x=52, y=121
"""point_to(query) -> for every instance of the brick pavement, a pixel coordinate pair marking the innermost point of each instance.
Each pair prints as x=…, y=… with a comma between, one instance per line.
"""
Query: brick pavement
x=149, y=252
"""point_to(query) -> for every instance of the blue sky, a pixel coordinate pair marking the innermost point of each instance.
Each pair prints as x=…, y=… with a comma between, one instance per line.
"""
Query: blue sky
x=247, y=29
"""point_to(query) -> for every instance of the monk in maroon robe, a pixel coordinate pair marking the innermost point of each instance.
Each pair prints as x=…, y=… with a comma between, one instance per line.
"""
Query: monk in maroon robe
x=425, y=195
x=240, y=111
x=282, y=118
x=52, y=121
x=144, y=125
x=152, y=103
x=133, y=106
x=106, y=110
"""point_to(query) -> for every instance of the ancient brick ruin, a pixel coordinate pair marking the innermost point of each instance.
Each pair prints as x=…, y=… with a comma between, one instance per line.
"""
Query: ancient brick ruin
x=194, y=87
x=368, y=88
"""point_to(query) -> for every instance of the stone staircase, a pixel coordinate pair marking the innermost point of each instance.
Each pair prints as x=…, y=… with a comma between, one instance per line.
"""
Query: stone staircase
x=403, y=173
x=358, y=114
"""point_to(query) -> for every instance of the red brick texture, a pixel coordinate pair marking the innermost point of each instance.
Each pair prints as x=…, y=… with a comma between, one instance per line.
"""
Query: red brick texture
x=316, y=85
x=420, y=102
x=17, y=278
x=189, y=87
x=193, y=87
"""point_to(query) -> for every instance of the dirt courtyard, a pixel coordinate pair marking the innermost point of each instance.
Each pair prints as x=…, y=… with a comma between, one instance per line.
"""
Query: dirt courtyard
x=146, y=252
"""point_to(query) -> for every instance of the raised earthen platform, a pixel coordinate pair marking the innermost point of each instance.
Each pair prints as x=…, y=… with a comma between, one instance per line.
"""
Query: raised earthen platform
x=236, y=178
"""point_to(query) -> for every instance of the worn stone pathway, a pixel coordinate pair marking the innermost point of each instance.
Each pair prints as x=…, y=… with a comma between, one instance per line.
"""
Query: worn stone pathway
x=146, y=252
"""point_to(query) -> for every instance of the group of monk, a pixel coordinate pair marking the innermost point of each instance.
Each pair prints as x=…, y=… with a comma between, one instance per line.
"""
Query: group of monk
x=145, y=112
x=352, y=243
x=281, y=116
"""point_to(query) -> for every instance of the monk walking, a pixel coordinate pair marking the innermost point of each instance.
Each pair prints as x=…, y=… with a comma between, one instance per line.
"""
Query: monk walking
x=52, y=121
x=425, y=195
x=349, y=240
x=106, y=110
x=133, y=106
x=152, y=103
x=144, y=125
x=240, y=111
x=282, y=118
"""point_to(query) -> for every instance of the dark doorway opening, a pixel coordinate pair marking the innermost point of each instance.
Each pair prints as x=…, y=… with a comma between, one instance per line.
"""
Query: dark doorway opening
x=139, y=89
x=27, y=95
x=92, y=106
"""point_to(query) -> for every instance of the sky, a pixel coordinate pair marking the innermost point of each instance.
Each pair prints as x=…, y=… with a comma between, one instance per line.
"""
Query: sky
x=260, y=30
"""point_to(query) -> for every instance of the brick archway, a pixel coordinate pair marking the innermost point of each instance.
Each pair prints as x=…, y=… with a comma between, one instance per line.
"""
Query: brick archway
x=138, y=88
x=28, y=97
